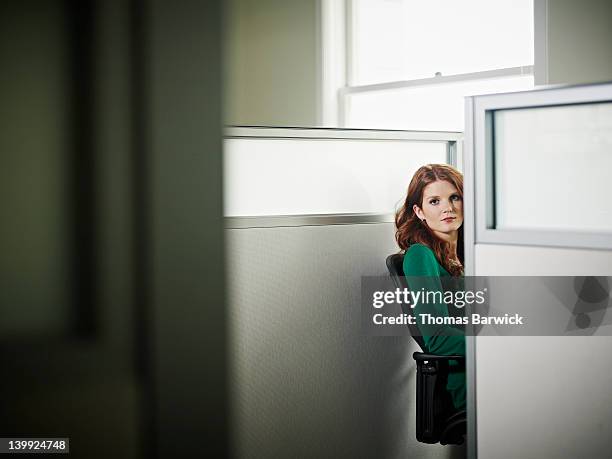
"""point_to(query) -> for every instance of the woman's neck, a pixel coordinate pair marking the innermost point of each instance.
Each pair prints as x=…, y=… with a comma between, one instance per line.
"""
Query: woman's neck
x=453, y=248
x=450, y=239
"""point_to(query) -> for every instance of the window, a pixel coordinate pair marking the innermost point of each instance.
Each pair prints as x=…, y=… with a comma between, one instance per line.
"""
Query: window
x=410, y=63
x=572, y=140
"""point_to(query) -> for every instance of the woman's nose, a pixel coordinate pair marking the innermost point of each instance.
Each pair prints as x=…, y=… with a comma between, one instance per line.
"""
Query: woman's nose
x=449, y=207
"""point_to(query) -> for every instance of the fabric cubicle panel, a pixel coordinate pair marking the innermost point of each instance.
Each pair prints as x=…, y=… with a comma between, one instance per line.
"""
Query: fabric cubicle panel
x=306, y=381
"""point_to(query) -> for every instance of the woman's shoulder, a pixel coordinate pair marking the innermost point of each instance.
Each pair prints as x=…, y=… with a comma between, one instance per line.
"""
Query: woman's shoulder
x=419, y=250
x=420, y=260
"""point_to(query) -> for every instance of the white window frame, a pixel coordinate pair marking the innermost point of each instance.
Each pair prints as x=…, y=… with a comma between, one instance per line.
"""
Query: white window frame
x=337, y=20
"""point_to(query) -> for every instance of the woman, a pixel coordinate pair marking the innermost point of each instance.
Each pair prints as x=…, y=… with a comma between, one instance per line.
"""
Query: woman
x=429, y=230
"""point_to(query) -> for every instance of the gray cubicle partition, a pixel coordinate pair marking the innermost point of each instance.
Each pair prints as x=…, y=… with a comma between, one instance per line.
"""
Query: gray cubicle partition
x=306, y=381
x=537, y=169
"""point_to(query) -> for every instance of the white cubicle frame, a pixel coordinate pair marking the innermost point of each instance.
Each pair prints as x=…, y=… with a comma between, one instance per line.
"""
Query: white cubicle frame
x=479, y=196
x=239, y=228
x=483, y=109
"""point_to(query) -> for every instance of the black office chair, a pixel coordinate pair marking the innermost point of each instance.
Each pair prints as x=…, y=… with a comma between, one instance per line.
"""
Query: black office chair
x=437, y=420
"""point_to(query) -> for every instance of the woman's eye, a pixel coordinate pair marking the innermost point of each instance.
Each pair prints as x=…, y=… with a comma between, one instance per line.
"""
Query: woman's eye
x=433, y=202
x=455, y=197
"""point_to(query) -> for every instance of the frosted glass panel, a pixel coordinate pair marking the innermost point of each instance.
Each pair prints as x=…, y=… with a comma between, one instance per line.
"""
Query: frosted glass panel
x=314, y=176
x=552, y=168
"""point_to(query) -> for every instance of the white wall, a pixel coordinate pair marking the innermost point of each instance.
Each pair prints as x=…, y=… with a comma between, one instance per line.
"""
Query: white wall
x=573, y=41
x=272, y=62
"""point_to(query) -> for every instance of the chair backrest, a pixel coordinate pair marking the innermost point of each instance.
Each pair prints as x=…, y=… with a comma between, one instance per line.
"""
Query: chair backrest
x=395, y=265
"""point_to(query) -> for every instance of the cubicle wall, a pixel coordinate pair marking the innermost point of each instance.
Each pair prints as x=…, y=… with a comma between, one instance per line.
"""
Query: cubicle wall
x=537, y=170
x=310, y=211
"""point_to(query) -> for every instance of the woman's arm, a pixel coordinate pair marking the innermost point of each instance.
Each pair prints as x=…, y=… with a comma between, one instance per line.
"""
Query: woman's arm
x=422, y=271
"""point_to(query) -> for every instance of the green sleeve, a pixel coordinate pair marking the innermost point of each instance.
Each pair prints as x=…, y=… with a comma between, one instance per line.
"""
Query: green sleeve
x=423, y=271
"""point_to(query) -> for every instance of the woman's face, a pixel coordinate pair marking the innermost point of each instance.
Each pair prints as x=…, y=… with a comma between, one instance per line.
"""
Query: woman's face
x=442, y=209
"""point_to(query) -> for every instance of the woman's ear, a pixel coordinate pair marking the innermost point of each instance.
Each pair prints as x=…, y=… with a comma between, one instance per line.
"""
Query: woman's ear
x=419, y=213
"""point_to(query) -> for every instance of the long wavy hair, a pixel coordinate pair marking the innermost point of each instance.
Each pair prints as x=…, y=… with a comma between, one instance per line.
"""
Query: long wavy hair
x=411, y=230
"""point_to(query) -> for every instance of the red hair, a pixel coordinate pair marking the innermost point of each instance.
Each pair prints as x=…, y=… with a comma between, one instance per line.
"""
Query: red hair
x=411, y=230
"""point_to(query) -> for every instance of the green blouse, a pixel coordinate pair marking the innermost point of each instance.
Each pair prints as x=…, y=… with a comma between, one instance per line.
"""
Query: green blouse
x=421, y=263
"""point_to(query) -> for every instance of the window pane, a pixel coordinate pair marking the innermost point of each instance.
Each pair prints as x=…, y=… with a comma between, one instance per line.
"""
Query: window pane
x=410, y=39
x=553, y=168
x=433, y=107
x=315, y=176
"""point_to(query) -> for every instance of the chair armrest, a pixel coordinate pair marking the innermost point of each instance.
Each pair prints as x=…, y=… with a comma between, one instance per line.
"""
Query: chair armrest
x=421, y=356
x=433, y=402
